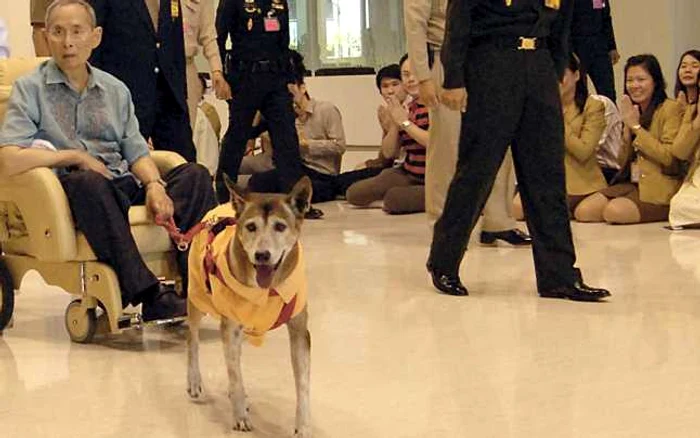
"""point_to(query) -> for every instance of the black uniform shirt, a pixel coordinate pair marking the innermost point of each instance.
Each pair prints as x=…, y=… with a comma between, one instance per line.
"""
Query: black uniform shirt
x=588, y=22
x=244, y=22
x=469, y=20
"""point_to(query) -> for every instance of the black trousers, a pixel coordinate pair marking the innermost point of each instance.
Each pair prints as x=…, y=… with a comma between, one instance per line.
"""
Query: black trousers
x=167, y=124
x=595, y=59
x=100, y=209
x=346, y=179
x=323, y=185
x=513, y=100
x=265, y=92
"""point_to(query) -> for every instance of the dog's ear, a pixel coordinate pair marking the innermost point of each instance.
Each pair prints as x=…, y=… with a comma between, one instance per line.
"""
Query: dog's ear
x=238, y=195
x=300, y=196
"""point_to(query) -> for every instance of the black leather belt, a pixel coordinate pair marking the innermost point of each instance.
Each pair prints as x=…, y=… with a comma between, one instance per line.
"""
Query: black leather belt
x=513, y=43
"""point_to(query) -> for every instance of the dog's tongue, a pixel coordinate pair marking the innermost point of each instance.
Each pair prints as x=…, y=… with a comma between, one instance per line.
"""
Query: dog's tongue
x=263, y=275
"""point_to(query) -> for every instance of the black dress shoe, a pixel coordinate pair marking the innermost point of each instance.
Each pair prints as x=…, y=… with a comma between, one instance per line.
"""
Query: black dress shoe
x=447, y=283
x=313, y=213
x=515, y=237
x=576, y=292
x=165, y=304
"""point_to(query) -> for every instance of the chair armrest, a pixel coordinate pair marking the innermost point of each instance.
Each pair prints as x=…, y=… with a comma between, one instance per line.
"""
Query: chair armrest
x=43, y=204
x=166, y=160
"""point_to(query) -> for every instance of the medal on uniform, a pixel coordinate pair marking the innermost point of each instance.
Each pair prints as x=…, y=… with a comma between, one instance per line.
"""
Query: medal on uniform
x=250, y=24
x=174, y=9
x=553, y=4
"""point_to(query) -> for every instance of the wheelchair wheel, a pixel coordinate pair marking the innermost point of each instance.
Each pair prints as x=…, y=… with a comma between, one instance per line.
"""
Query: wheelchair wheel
x=81, y=324
x=7, y=303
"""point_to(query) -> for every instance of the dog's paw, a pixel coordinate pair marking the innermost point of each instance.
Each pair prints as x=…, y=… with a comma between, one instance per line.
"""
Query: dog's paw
x=242, y=424
x=303, y=432
x=194, y=388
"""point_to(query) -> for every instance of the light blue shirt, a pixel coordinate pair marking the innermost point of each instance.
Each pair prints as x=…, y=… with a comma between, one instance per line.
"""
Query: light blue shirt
x=100, y=120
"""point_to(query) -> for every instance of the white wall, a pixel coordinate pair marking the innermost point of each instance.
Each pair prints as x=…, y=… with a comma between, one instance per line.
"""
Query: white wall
x=16, y=15
x=665, y=28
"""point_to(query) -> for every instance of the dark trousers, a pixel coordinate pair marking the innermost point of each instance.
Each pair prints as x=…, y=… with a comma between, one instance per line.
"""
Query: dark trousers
x=268, y=93
x=513, y=100
x=595, y=59
x=100, y=209
x=323, y=185
x=167, y=124
x=346, y=179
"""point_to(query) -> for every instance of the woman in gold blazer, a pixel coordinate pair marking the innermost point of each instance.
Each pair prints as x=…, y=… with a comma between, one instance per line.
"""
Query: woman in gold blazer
x=200, y=31
x=651, y=123
x=584, y=123
x=685, y=205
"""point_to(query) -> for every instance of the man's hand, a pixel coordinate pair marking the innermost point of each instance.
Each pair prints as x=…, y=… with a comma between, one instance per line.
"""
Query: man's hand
x=398, y=112
x=384, y=118
x=221, y=88
x=455, y=99
x=85, y=161
x=629, y=112
x=428, y=93
x=158, y=202
x=614, y=56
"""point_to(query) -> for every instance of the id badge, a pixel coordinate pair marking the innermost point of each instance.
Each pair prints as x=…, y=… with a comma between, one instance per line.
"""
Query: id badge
x=635, y=172
x=598, y=4
x=272, y=24
x=553, y=4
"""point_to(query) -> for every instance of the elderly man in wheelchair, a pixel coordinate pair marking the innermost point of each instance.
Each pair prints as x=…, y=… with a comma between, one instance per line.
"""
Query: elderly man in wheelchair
x=79, y=121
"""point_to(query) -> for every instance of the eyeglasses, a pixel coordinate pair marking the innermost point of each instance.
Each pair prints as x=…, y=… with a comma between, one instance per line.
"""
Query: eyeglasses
x=58, y=33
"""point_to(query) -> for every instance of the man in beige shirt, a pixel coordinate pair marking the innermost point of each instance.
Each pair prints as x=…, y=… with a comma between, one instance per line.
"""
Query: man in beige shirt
x=425, y=32
x=321, y=145
x=200, y=31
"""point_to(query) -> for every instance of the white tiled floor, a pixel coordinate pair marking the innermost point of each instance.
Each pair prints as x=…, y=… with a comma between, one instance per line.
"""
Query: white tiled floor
x=391, y=358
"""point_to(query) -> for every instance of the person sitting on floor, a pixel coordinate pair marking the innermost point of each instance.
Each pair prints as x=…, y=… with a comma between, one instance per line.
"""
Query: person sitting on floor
x=402, y=188
x=101, y=159
x=651, y=123
x=321, y=142
x=685, y=205
x=389, y=84
x=584, y=123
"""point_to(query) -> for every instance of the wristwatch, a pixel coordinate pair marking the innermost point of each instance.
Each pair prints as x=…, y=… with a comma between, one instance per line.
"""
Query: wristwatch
x=405, y=124
x=156, y=181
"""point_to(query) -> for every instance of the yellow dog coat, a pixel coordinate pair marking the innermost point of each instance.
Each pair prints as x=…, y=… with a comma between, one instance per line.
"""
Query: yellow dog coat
x=213, y=289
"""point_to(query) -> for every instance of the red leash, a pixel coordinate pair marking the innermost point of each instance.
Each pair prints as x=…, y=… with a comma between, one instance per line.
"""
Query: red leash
x=182, y=241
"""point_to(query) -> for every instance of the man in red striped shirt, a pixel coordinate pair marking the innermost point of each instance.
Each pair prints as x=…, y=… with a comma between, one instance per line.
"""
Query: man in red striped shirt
x=401, y=187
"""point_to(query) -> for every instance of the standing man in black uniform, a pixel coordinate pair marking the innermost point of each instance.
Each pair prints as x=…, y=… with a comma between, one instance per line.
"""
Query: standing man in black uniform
x=593, y=40
x=144, y=47
x=258, y=68
x=509, y=54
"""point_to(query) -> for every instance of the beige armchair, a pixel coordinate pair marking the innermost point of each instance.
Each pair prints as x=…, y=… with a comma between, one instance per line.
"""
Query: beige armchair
x=37, y=232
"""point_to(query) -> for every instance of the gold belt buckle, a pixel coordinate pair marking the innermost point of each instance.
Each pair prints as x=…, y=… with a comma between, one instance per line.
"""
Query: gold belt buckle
x=527, y=43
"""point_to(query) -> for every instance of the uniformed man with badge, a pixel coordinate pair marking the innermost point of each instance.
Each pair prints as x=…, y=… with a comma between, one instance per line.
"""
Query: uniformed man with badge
x=258, y=68
x=510, y=55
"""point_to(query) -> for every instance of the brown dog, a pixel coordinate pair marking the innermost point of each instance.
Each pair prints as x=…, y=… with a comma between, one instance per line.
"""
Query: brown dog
x=251, y=275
